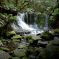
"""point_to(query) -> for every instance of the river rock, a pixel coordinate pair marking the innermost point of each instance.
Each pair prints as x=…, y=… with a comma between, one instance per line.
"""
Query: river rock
x=4, y=55
x=19, y=52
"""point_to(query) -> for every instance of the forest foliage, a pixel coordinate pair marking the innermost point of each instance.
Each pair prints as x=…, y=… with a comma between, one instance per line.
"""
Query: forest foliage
x=41, y=7
x=10, y=40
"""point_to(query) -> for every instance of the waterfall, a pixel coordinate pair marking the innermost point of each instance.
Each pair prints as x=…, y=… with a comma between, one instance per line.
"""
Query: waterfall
x=22, y=24
x=46, y=23
x=33, y=28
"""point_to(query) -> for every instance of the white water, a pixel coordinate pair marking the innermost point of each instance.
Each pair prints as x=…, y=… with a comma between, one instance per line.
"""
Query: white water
x=24, y=26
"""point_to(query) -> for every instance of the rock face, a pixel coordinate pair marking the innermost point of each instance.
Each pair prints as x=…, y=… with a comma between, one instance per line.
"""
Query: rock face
x=4, y=55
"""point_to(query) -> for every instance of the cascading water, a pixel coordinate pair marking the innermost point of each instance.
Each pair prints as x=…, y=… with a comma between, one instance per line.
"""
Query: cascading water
x=22, y=24
x=32, y=28
x=46, y=23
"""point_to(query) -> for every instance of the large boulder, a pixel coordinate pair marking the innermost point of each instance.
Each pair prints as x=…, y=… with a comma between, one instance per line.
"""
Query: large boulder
x=4, y=55
x=20, y=52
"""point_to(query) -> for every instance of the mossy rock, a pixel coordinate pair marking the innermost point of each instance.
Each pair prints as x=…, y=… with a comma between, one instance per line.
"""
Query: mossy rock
x=28, y=37
x=16, y=40
x=4, y=49
x=15, y=58
x=24, y=58
x=11, y=33
x=21, y=46
x=30, y=41
x=4, y=55
x=20, y=52
x=56, y=32
x=46, y=36
x=10, y=45
x=50, y=52
x=53, y=43
x=1, y=42
x=17, y=37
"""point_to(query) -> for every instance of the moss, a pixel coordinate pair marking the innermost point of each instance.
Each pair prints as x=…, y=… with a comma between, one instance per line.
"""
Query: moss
x=20, y=52
x=17, y=37
x=53, y=43
x=16, y=40
x=11, y=33
x=30, y=41
x=21, y=46
x=4, y=49
x=28, y=37
x=56, y=30
x=25, y=57
x=51, y=51
x=47, y=36
x=1, y=42
x=15, y=58
x=4, y=55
